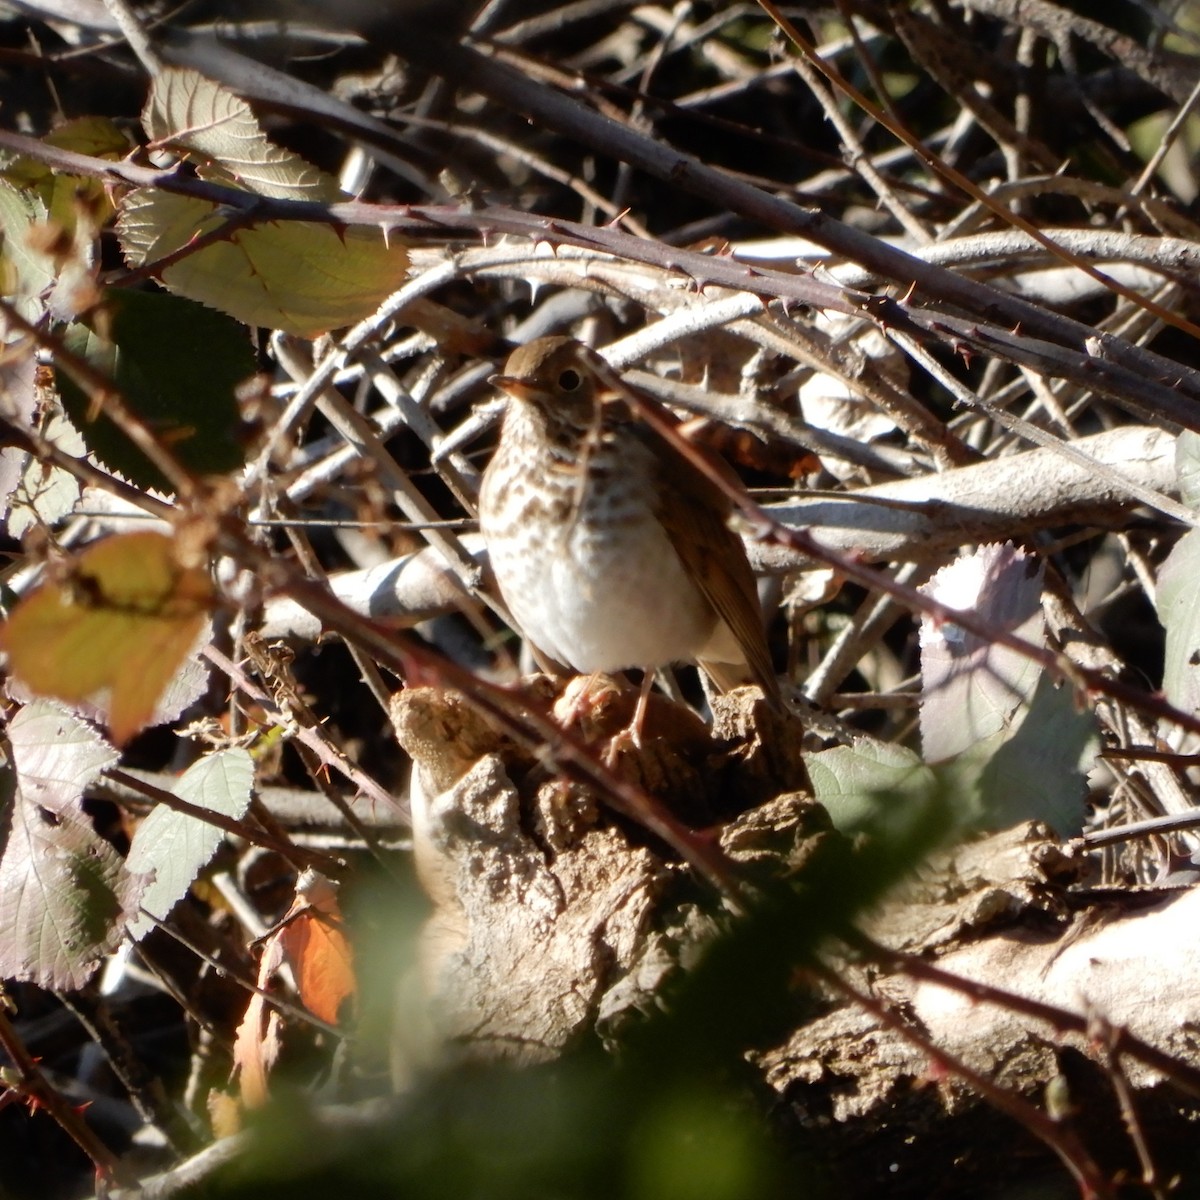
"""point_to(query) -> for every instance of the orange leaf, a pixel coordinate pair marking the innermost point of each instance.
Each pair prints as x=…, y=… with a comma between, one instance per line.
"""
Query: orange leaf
x=123, y=619
x=256, y=1046
x=317, y=949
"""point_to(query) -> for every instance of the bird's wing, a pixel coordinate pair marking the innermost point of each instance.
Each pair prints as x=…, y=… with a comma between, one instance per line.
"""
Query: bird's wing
x=695, y=514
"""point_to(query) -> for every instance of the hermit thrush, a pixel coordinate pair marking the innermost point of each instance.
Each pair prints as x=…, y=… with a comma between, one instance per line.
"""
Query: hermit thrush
x=611, y=549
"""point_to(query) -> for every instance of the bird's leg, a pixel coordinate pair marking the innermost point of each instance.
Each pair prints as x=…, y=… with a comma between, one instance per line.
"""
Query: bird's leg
x=643, y=702
x=632, y=733
x=599, y=706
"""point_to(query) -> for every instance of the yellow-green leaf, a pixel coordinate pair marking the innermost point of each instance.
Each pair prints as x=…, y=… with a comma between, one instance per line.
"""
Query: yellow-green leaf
x=61, y=194
x=296, y=276
x=122, y=620
x=25, y=271
x=299, y=277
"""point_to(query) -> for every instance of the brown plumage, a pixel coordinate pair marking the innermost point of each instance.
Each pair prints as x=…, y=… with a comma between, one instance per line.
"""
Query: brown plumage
x=610, y=548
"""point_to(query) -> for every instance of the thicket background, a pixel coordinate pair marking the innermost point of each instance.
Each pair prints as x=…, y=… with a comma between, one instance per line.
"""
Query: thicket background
x=925, y=275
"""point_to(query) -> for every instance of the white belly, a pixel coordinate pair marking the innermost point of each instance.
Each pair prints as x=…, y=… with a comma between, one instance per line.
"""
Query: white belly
x=598, y=597
x=632, y=606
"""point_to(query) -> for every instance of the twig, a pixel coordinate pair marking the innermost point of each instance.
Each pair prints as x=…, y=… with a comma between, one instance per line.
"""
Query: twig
x=26, y=1078
x=959, y=180
x=314, y=736
x=1140, y=379
x=239, y=829
x=131, y=28
x=145, y=1090
x=1152, y=827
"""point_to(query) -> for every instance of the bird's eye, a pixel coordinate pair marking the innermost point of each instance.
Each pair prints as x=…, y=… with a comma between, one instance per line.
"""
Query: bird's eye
x=569, y=380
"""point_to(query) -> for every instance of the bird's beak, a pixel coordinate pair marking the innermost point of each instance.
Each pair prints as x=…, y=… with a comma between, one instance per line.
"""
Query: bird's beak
x=513, y=385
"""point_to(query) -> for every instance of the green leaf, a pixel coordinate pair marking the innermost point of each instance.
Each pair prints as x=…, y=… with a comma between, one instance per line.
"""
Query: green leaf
x=1034, y=773
x=34, y=491
x=56, y=754
x=26, y=273
x=297, y=276
x=177, y=366
x=31, y=490
x=59, y=903
x=863, y=784
x=1007, y=743
x=1187, y=467
x=63, y=890
x=1178, y=601
x=49, y=258
x=176, y=846
x=973, y=687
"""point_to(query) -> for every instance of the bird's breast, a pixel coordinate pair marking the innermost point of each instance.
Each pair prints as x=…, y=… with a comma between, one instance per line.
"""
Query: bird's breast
x=584, y=564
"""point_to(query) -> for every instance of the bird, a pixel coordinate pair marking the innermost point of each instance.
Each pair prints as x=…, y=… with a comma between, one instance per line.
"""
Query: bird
x=611, y=549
